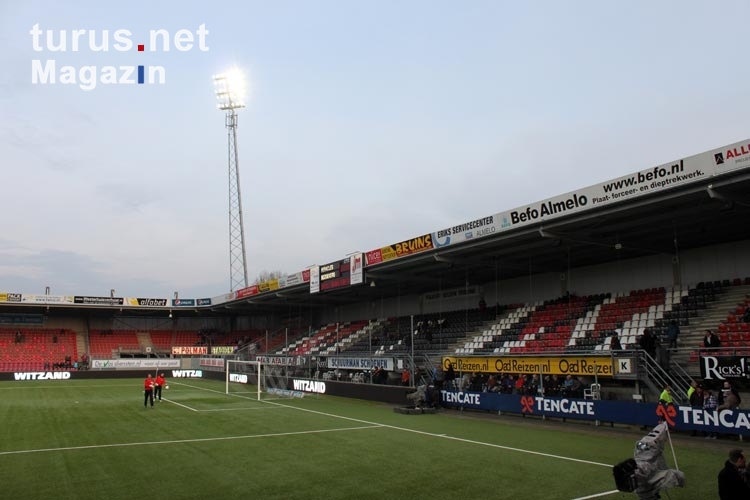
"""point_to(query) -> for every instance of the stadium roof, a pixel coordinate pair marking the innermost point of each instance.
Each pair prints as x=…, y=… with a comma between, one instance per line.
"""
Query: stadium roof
x=667, y=223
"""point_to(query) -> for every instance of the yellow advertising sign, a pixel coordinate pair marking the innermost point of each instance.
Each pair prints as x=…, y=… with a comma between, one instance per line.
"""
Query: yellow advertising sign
x=600, y=366
x=3, y=297
x=268, y=286
x=408, y=247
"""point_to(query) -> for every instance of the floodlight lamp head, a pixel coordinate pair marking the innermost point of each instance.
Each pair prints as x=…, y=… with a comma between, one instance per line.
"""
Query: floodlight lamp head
x=230, y=89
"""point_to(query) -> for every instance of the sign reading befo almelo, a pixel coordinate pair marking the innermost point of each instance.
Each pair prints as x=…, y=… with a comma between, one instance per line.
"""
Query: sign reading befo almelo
x=563, y=365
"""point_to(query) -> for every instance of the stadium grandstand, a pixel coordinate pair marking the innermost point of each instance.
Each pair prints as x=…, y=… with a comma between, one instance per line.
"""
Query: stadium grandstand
x=564, y=286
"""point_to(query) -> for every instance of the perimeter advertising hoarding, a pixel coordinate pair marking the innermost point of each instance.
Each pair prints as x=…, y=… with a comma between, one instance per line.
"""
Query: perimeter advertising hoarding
x=135, y=363
x=624, y=412
x=600, y=366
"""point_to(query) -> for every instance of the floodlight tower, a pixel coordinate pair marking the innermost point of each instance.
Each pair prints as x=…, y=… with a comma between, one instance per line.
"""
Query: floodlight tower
x=230, y=91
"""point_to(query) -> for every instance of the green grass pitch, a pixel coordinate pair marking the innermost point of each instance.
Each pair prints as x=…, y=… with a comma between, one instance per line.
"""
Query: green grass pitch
x=94, y=440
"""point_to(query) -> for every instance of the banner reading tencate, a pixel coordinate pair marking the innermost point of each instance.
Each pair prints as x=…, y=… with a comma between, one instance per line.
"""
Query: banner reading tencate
x=695, y=168
x=362, y=363
x=133, y=364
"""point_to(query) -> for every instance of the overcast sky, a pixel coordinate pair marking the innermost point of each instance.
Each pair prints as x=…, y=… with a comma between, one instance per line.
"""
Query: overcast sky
x=368, y=122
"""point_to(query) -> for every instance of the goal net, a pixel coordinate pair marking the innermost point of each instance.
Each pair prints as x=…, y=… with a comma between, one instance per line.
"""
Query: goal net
x=256, y=379
x=244, y=377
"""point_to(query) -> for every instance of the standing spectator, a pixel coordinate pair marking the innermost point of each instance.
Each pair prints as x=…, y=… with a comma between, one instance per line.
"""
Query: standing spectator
x=710, y=404
x=614, y=343
x=520, y=384
x=696, y=401
x=692, y=388
x=405, y=377
x=666, y=396
x=729, y=397
x=148, y=391
x=672, y=332
x=733, y=478
x=648, y=342
x=450, y=376
x=711, y=340
x=158, y=386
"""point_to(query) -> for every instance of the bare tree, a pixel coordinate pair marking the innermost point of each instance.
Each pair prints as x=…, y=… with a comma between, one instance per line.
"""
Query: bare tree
x=265, y=276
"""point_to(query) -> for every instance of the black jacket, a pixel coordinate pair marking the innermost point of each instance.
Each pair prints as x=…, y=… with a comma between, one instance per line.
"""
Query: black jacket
x=732, y=485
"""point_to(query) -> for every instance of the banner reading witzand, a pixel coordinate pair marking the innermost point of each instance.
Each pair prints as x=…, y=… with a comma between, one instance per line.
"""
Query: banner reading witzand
x=600, y=366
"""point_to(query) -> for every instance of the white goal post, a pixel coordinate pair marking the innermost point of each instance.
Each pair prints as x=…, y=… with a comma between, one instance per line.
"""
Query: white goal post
x=245, y=377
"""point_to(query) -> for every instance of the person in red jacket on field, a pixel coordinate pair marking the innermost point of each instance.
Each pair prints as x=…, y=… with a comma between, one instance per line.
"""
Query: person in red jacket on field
x=148, y=391
x=159, y=384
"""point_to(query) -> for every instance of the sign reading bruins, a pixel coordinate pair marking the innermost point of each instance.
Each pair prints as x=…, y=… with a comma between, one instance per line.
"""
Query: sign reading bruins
x=562, y=365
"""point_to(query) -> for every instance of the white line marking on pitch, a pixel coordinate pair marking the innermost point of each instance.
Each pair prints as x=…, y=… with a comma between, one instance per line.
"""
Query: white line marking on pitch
x=462, y=440
x=179, y=404
x=598, y=495
x=181, y=441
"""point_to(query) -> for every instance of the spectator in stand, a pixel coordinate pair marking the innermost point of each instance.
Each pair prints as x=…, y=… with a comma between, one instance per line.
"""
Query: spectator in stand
x=614, y=343
x=450, y=377
x=746, y=314
x=711, y=340
x=405, y=377
x=507, y=383
x=665, y=397
x=482, y=305
x=710, y=404
x=531, y=388
x=492, y=384
x=572, y=387
x=692, y=388
x=672, y=332
x=648, y=342
x=729, y=397
x=696, y=401
x=734, y=483
x=520, y=383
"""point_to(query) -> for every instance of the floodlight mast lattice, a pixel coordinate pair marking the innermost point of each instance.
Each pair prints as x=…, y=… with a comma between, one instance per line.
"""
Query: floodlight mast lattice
x=230, y=91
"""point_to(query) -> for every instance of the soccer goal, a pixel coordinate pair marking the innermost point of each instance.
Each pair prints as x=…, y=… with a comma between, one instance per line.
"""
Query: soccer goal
x=245, y=378
x=257, y=380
